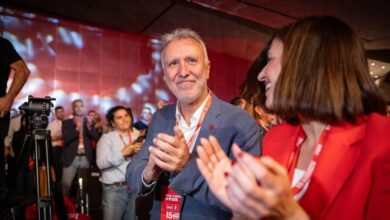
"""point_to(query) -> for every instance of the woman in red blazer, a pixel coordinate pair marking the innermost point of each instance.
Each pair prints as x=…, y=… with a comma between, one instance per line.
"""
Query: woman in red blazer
x=331, y=158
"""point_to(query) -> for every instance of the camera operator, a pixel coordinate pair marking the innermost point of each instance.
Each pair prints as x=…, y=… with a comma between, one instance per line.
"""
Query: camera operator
x=9, y=59
x=78, y=134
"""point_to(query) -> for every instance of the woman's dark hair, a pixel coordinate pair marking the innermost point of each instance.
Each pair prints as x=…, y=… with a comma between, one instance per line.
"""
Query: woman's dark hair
x=237, y=101
x=325, y=74
x=111, y=113
x=252, y=90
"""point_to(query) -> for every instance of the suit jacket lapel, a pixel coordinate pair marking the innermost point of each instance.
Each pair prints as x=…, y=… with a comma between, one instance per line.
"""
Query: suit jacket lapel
x=334, y=167
x=210, y=122
x=169, y=122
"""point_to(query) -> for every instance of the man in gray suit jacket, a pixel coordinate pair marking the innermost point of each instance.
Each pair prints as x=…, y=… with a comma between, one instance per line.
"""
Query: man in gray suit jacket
x=78, y=134
x=166, y=164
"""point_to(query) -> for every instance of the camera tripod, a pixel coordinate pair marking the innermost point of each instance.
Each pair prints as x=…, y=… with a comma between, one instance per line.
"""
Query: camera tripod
x=43, y=154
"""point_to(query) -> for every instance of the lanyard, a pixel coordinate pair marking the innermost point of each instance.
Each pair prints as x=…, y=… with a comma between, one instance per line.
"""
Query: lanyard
x=171, y=200
x=122, y=138
x=292, y=163
x=200, y=122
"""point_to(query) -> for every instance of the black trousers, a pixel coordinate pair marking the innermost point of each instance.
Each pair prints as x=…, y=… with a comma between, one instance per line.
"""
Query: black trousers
x=57, y=152
x=4, y=125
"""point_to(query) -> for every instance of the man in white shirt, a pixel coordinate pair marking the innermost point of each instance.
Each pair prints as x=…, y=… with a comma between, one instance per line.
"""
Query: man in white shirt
x=55, y=127
x=166, y=163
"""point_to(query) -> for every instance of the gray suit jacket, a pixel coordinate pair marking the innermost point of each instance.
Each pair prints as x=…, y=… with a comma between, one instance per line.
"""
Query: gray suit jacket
x=71, y=139
x=226, y=122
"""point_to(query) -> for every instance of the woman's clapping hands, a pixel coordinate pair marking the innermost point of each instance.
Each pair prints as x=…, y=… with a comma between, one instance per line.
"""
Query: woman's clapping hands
x=253, y=187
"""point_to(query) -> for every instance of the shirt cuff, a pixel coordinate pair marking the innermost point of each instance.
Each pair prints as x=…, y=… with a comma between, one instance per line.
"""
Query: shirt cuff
x=147, y=186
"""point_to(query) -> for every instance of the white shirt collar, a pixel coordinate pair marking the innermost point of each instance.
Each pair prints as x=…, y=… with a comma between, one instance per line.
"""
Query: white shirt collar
x=196, y=116
x=188, y=131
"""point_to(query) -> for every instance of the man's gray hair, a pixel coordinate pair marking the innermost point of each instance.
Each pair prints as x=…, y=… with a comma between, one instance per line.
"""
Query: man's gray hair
x=182, y=33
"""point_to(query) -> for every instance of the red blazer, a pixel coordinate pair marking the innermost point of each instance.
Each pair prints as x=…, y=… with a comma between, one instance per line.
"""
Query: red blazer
x=352, y=177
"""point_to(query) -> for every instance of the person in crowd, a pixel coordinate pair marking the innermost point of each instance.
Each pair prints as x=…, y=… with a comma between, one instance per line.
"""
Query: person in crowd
x=166, y=164
x=239, y=102
x=78, y=133
x=114, y=151
x=9, y=60
x=146, y=118
x=264, y=119
x=57, y=143
x=97, y=120
x=253, y=91
x=94, y=116
x=330, y=158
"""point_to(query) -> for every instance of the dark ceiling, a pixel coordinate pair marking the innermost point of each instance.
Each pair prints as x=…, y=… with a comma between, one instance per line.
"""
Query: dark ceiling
x=239, y=28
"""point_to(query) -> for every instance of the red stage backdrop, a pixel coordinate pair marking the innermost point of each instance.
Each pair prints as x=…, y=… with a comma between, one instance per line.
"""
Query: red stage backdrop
x=103, y=67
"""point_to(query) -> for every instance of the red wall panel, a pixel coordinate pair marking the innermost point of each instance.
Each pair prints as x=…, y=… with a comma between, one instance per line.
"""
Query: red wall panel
x=103, y=67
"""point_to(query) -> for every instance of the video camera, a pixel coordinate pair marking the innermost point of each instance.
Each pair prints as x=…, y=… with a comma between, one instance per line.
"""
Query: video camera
x=36, y=112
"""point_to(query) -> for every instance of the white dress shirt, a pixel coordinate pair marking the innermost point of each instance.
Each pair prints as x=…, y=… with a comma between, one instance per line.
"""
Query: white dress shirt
x=188, y=130
x=55, y=128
